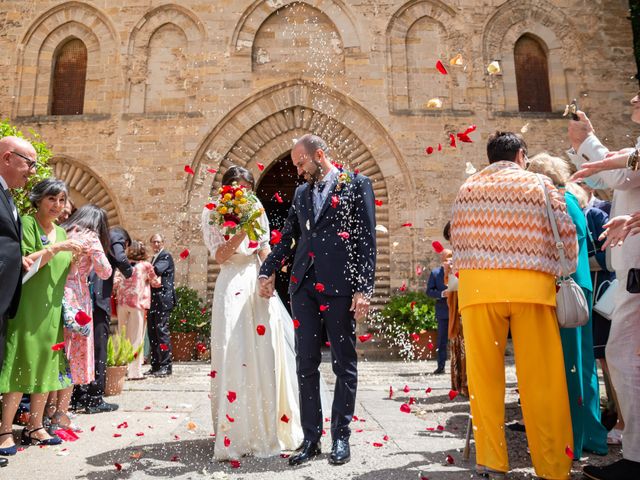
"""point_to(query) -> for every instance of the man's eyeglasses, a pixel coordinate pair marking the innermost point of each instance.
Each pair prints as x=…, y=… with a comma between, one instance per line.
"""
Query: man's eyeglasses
x=30, y=163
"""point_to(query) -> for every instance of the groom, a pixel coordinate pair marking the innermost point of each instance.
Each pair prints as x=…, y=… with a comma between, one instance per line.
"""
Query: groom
x=331, y=229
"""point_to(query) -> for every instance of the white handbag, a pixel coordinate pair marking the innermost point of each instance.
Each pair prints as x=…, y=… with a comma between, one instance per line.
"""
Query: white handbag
x=604, y=301
x=572, y=308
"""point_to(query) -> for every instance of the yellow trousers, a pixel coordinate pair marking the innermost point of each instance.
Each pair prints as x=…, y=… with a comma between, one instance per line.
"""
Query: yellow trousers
x=541, y=382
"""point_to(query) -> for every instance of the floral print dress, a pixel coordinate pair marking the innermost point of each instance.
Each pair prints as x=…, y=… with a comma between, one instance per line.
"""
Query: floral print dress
x=79, y=347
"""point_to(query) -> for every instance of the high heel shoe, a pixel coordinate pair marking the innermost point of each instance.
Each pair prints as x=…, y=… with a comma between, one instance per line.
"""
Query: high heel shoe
x=28, y=439
x=12, y=450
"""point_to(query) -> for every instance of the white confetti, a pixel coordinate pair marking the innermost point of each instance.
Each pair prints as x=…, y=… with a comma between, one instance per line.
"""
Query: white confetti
x=470, y=170
x=434, y=103
x=494, y=68
x=382, y=229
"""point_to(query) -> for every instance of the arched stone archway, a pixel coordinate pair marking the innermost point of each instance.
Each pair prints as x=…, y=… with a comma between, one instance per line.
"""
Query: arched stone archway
x=263, y=129
x=85, y=186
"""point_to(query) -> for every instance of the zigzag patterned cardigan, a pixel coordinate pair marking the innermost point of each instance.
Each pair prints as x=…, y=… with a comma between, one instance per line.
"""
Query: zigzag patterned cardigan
x=500, y=222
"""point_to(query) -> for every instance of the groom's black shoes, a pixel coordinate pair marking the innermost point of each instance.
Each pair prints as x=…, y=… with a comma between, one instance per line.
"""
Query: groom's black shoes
x=340, y=453
x=306, y=452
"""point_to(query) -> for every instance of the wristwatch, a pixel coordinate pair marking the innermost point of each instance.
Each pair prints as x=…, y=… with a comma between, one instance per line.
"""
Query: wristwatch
x=633, y=162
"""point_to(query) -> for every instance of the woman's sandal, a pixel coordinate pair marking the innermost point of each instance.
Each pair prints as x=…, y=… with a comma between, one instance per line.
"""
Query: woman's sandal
x=28, y=439
x=12, y=450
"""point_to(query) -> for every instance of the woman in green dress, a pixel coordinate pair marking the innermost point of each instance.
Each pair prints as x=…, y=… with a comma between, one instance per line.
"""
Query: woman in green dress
x=34, y=361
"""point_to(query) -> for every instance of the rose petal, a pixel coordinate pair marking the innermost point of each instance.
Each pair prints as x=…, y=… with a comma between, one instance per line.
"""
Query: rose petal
x=568, y=452
x=335, y=200
x=452, y=140
x=234, y=463
x=390, y=391
x=377, y=445
x=437, y=246
x=82, y=318
x=260, y=166
x=253, y=244
x=118, y=466
x=453, y=394
x=277, y=197
x=403, y=287
x=189, y=170
x=261, y=330
x=412, y=305
x=429, y=150
x=415, y=337
x=344, y=235
x=213, y=373
x=406, y=389
x=365, y=337
x=210, y=206
x=428, y=390
x=386, y=438
x=164, y=347
x=296, y=323
x=324, y=308
x=408, y=224
x=450, y=460
x=212, y=170
x=231, y=396
x=441, y=68
x=184, y=254
x=405, y=408
x=284, y=419
x=276, y=237
x=230, y=419
x=227, y=442
x=57, y=347
x=319, y=287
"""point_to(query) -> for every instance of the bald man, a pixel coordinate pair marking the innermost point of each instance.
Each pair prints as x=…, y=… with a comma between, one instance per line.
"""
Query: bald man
x=17, y=164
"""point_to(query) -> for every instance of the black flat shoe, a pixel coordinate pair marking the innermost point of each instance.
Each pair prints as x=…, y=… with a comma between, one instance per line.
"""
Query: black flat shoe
x=27, y=438
x=438, y=371
x=621, y=470
x=102, y=407
x=3, y=462
x=340, y=452
x=306, y=452
x=150, y=372
x=162, y=372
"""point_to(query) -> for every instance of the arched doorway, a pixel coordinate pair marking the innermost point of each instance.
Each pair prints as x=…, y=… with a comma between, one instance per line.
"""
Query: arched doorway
x=277, y=183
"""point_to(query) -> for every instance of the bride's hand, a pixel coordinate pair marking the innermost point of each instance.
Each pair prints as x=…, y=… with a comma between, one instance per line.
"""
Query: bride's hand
x=267, y=286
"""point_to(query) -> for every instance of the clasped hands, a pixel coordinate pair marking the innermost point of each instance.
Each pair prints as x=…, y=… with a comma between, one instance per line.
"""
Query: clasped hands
x=359, y=304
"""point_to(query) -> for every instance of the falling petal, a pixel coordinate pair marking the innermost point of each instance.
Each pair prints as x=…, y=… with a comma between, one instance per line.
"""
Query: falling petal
x=231, y=396
x=457, y=60
x=437, y=246
x=404, y=408
x=324, y=308
x=344, y=235
x=189, y=170
x=470, y=170
x=450, y=460
x=407, y=224
x=277, y=197
x=406, y=389
x=452, y=140
x=433, y=104
x=276, y=237
x=378, y=203
x=212, y=170
x=494, y=68
x=296, y=323
x=319, y=287
x=284, y=419
x=441, y=68
x=210, y=206
x=377, y=445
x=381, y=229
x=453, y=394
x=57, y=347
x=184, y=254
x=365, y=337
x=260, y=166
x=429, y=150
x=525, y=128
x=568, y=452
x=260, y=330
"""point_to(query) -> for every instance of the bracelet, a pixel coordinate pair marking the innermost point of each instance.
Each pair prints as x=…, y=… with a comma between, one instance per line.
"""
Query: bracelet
x=633, y=162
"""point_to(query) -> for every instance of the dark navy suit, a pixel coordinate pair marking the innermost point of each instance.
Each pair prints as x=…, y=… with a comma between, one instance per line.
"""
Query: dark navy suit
x=435, y=286
x=335, y=257
x=163, y=300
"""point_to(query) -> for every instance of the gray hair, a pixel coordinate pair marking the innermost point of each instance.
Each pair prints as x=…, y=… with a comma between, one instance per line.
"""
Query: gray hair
x=49, y=187
x=313, y=143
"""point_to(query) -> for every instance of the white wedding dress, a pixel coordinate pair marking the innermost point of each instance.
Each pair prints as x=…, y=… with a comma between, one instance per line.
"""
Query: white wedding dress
x=258, y=370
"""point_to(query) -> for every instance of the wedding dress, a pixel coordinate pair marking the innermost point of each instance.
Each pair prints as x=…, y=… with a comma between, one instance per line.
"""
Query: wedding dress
x=254, y=388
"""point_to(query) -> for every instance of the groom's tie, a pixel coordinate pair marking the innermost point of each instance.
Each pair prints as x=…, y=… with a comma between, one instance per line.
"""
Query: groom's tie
x=317, y=197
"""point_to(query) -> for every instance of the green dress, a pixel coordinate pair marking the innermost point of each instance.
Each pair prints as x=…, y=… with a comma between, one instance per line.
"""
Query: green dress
x=31, y=365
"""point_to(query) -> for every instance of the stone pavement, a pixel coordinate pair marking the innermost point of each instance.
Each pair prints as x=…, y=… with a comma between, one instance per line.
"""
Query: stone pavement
x=168, y=434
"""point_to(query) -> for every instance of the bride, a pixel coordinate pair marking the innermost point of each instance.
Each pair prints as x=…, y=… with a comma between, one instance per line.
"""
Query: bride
x=254, y=390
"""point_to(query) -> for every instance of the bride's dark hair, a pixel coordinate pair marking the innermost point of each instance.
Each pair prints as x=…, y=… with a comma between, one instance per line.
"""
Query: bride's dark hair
x=237, y=174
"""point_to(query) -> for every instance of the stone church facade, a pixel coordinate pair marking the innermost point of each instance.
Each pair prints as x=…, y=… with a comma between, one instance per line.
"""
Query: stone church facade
x=129, y=92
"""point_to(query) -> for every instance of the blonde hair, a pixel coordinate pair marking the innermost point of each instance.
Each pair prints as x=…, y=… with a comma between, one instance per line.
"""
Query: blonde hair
x=555, y=168
x=580, y=194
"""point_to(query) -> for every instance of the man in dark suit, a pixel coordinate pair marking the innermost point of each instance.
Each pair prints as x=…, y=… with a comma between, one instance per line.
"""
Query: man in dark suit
x=331, y=228
x=163, y=300
x=17, y=163
x=436, y=286
x=90, y=396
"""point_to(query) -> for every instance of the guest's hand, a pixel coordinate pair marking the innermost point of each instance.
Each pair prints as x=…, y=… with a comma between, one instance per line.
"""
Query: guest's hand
x=612, y=161
x=71, y=245
x=633, y=224
x=26, y=263
x=615, y=231
x=579, y=130
x=359, y=305
x=267, y=286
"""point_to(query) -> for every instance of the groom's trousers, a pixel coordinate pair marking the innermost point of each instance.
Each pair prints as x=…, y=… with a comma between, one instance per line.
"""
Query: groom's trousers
x=340, y=326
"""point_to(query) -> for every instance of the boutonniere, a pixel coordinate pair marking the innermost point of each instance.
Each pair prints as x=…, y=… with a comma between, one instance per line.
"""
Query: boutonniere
x=45, y=240
x=344, y=177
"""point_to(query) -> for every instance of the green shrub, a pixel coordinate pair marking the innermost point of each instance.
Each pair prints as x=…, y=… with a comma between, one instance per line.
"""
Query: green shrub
x=43, y=170
x=190, y=314
x=120, y=351
x=422, y=316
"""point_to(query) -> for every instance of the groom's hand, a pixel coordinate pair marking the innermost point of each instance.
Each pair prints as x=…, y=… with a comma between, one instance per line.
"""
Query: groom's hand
x=359, y=305
x=267, y=286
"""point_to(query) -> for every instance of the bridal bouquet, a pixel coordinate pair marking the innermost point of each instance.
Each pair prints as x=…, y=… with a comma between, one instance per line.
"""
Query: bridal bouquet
x=238, y=209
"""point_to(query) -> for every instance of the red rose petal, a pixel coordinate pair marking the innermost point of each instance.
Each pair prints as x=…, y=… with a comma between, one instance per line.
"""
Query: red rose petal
x=118, y=466
x=377, y=445
x=412, y=400
x=294, y=279
x=284, y=419
x=57, y=347
x=429, y=150
x=450, y=460
x=430, y=346
x=234, y=463
x=568, y=452
x=440, y=428
x=324, y=308
x=284, y=455
x=439, y=147
x=231, y=396
x=260, y=166
x=253, y=244
x=276, y=237
x=463, y=137
x=419, y=270
x=404, y=286
x=212, y=170
x=437, y=246
x=452, y=140
x=261, y=330
x=213, y=373
x=453, y=394
x=227, y=442
x=175, y=458
x=93, y=429
x=277, y=197
x=415, y=337
x=82, y=318
x=140, y=434
x=117, y=435
x=390, y=391
x=184, y=254
x=319, y=287
x=386, y=438
x=210, y=206
x=405, y=408
x=231, y=419
x=412, y=305
x=164, y=347
x=189, y=170
x=335, y=200
x=296, y=323
x=408, y=224
x=344, y=235
x=441, y=68
x=428, y=390
x=365, y=337
x=378, y=203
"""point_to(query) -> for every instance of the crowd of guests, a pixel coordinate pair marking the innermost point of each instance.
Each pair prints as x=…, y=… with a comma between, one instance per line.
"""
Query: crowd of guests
x=508, y=261
x=54, y=325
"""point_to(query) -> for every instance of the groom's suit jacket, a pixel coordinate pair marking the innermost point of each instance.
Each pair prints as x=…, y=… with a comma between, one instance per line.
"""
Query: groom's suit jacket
x=341, y=244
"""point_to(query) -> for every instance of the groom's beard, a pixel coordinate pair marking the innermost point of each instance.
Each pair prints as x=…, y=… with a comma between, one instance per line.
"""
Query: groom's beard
x=312, y=178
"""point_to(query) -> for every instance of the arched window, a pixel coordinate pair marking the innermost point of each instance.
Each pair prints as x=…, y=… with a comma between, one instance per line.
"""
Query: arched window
x=532, y=75
x=69, y=78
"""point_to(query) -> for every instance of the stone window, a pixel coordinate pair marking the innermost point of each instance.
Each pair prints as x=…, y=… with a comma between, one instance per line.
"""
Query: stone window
x=69, y=78
x=532, y=75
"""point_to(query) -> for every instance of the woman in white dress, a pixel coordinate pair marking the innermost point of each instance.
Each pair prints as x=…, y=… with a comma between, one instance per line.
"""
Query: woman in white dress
x=254, y=389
